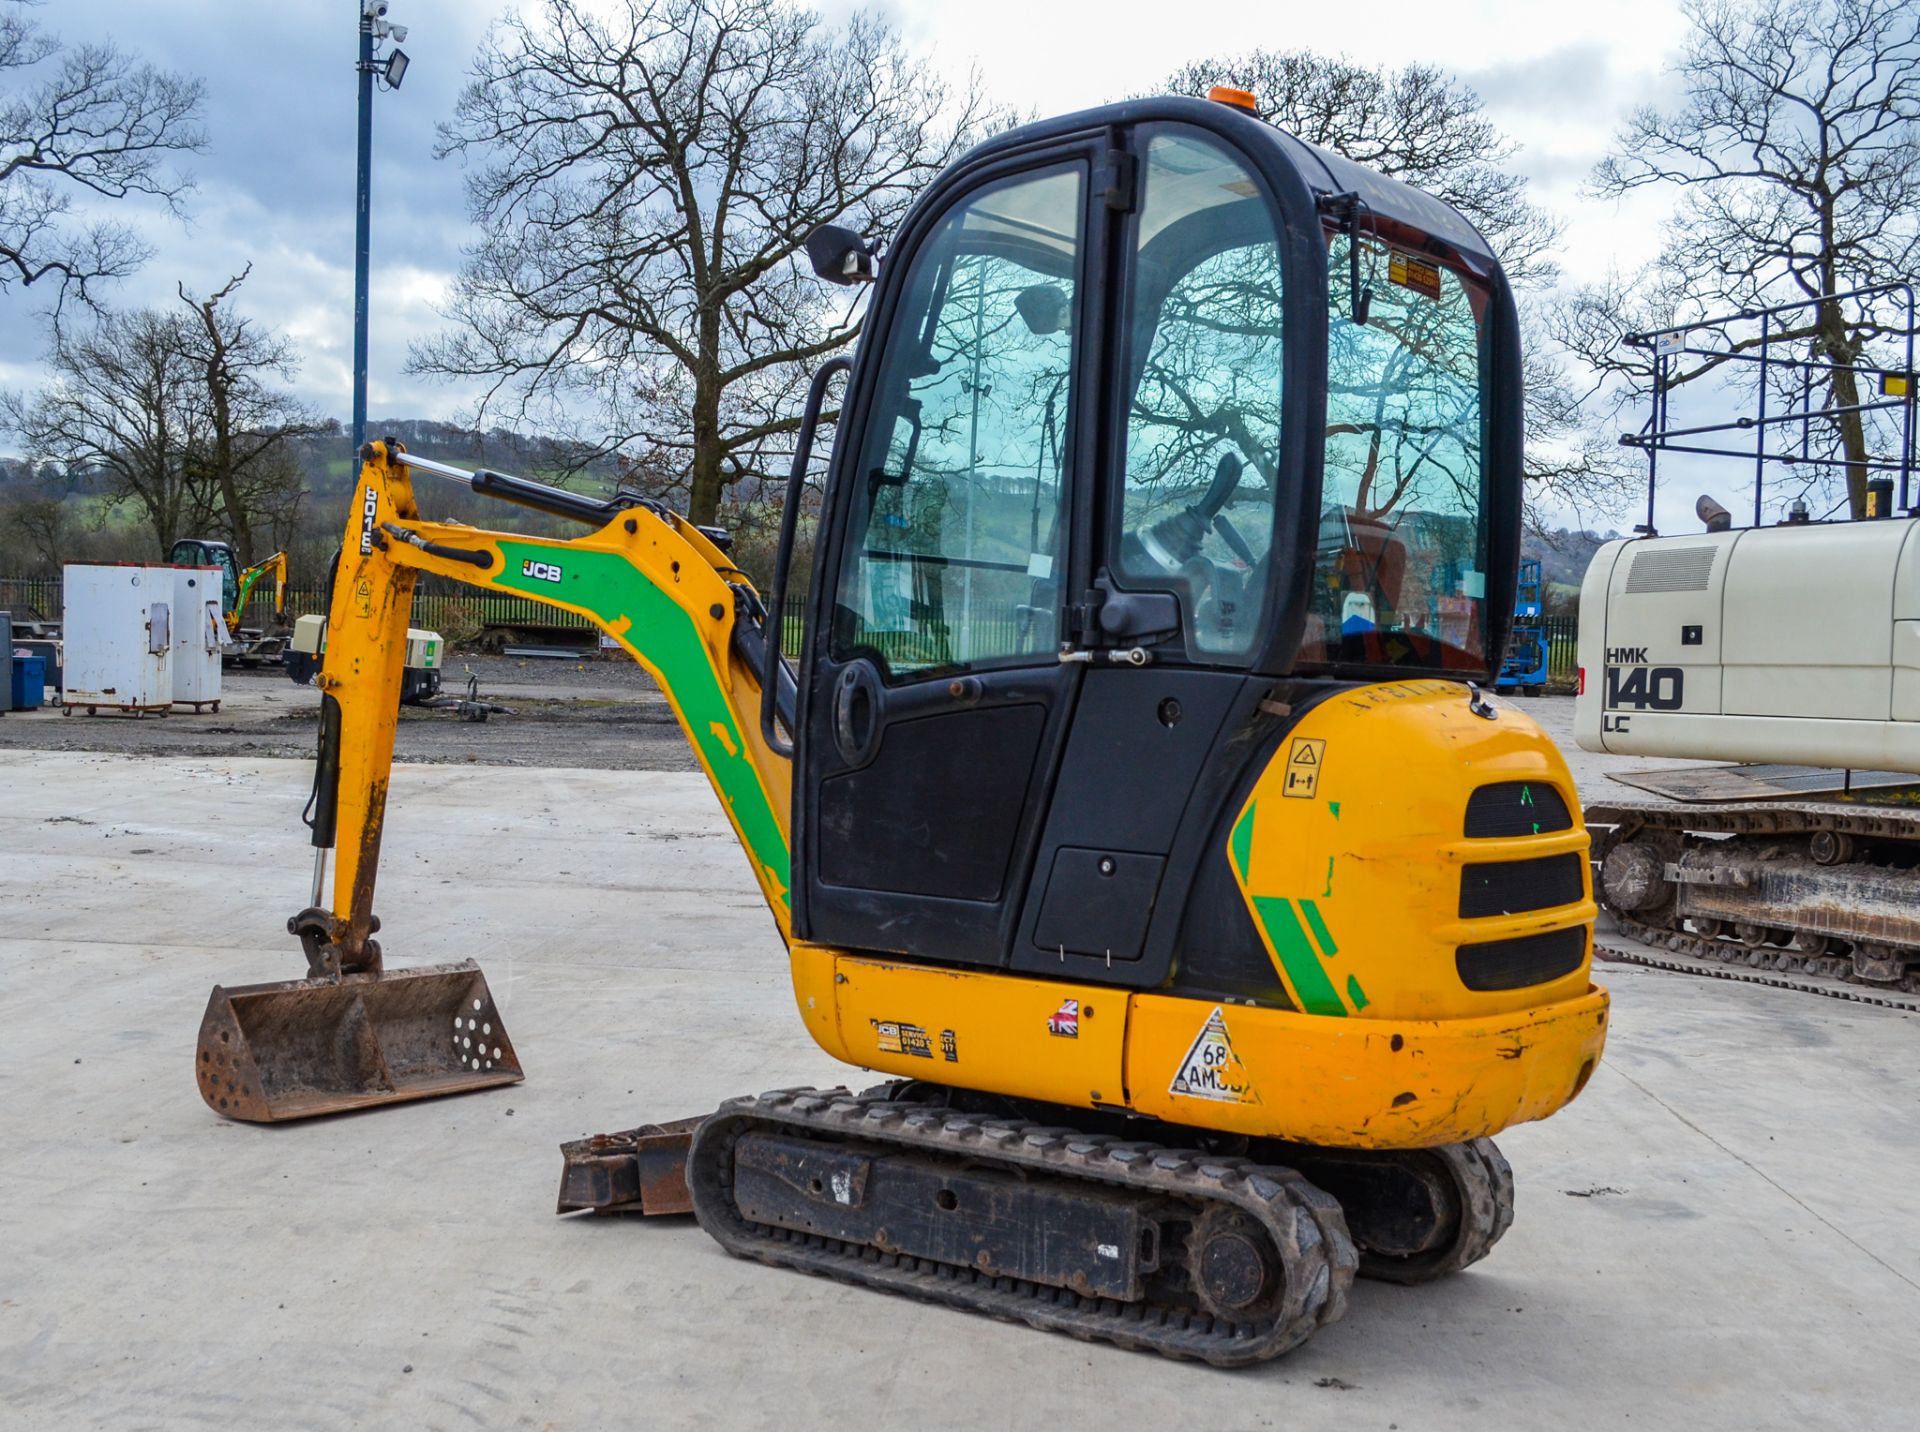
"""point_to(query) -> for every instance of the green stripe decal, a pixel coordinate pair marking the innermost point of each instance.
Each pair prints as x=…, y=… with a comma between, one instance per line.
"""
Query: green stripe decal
x=1319, y=927
x=1297, y=957
x=1240, y=844
x=1356, y=994
x=662, y=634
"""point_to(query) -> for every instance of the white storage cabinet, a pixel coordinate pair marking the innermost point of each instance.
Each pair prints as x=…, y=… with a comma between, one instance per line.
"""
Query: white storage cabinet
x=199, y=634
x=118, y=635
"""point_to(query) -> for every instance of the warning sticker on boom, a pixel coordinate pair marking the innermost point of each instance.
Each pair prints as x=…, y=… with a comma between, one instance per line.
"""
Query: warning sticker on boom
x=1211, y=1069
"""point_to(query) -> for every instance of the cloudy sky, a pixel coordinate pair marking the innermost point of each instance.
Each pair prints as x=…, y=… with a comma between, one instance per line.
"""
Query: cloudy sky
x=276, y=184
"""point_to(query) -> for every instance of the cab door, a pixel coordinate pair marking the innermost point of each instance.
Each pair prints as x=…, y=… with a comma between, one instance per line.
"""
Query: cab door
x=1184, y=565
x=935, y=704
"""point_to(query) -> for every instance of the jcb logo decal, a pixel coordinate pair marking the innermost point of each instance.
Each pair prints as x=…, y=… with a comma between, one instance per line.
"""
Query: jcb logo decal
x=541, y=571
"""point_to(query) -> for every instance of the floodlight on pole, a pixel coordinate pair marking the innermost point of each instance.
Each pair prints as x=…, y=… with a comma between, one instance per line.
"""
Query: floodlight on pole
x=390, y=69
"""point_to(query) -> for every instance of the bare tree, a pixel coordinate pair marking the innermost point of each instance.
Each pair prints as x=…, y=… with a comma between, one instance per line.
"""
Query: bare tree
x=36, y=528
x=1423, y=127
x=121, y=405
x=649, y=172
x=247, y=425
x=1797, y=157
x=176, y=414
x=87, y=122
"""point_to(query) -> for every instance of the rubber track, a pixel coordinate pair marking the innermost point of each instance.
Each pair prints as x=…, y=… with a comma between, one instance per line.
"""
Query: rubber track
x=1305, y=1223
x=1479, y=1172
x=1731, y=963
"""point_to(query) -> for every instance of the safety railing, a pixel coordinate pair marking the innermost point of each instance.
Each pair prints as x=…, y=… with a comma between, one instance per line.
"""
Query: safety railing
x=1765, y=339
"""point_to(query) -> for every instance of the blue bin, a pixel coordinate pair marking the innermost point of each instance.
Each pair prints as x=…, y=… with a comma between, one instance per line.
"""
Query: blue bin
x=29, y=682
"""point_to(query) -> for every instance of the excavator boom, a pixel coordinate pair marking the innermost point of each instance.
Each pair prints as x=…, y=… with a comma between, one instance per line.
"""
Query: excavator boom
x=277, y=565
x=354, y=1034
x=646, y=578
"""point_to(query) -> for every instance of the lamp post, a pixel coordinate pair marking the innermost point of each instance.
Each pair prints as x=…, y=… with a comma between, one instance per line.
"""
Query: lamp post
x=390, y=69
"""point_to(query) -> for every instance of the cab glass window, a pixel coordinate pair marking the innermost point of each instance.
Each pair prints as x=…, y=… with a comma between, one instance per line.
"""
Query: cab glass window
x=1401, y=568
x=188, y=553
x=957, y=535
x=1203, y=422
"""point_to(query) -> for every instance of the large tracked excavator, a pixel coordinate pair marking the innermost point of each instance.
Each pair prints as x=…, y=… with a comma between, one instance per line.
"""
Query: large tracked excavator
x=1133, y=804
x=1789, y=645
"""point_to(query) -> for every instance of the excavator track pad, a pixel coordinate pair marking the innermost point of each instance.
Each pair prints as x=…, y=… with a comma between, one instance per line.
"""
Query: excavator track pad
x=1173, y=1251
x=296, y=1048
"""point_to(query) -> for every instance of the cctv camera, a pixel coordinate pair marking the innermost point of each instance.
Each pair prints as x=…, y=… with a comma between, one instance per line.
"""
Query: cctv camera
x=373, y=9
x=399, y=33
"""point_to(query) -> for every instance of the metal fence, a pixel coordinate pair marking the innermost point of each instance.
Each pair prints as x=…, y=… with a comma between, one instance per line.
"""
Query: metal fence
x=27, y=597
x=1563, y=639
x=463, y=612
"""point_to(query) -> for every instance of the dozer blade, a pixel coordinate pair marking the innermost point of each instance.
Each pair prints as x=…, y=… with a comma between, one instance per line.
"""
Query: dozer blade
x=297, y=1048
x=641, y=1170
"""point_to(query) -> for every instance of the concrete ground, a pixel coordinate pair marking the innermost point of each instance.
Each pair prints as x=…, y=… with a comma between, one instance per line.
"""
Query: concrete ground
x=1717, y=1235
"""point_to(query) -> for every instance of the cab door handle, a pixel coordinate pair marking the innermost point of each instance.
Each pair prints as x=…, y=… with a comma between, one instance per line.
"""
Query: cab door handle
x=856, y=713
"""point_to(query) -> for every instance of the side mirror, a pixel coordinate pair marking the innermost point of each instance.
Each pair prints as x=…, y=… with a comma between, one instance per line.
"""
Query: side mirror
x=840, y=255
x=1044, y=308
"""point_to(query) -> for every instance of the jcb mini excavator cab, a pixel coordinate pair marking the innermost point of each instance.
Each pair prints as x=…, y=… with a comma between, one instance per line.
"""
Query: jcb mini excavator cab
x=1132, y=788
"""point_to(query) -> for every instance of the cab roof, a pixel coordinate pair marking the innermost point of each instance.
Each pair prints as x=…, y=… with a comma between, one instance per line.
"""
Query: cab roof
x=1390, y=203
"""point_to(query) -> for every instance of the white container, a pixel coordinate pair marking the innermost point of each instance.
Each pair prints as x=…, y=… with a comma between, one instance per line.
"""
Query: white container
x=118, y=635
x=199, y=634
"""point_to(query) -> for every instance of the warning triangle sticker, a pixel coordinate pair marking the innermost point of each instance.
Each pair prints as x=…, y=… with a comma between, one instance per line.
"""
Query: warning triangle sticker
x=1211, y=1069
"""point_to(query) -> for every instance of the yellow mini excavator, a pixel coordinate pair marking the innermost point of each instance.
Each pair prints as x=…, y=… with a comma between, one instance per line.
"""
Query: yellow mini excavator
x=1133, y=800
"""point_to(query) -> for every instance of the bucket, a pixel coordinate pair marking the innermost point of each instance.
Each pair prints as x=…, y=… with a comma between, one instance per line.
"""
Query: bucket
x=296, y=1048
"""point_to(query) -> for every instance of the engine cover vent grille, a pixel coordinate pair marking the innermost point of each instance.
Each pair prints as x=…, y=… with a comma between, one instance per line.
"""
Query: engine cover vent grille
x=1517, y=963
x=1508, y=808
x=1513, y=887
x=1671, y=569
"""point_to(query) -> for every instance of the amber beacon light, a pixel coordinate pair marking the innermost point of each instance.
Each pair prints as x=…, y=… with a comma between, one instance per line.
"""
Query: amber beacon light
x=1238, y=98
